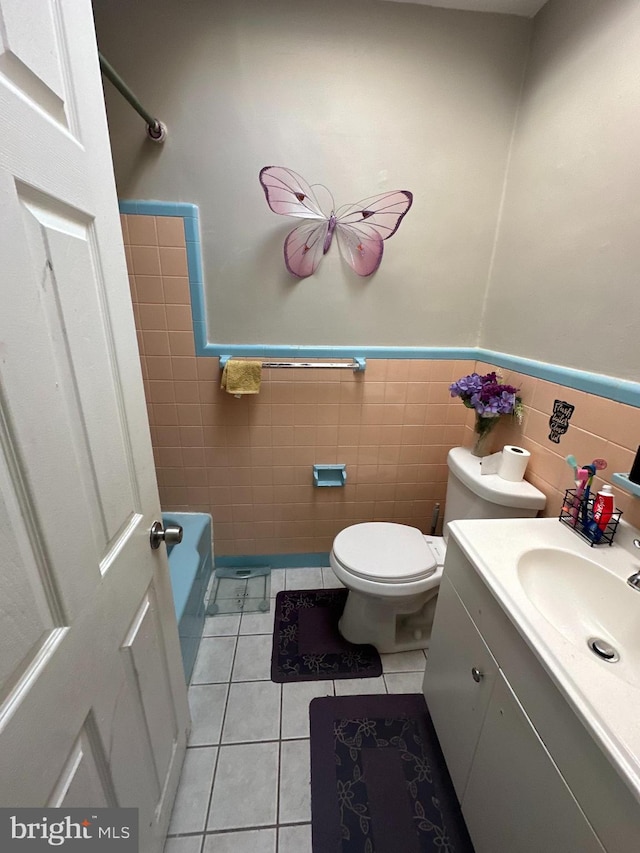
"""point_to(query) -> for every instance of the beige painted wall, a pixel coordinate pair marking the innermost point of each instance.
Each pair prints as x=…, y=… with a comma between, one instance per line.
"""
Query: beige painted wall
x=361, y=96
x=366, y=96
x=564, y=287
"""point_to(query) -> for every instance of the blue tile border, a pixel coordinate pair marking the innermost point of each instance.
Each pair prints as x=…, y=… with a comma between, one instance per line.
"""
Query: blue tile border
x=311, y=560
x=620, y=390
x=159, y=208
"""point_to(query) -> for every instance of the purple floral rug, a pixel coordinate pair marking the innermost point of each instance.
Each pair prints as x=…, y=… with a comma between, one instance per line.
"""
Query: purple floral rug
x=379, y=783
x=307, y=645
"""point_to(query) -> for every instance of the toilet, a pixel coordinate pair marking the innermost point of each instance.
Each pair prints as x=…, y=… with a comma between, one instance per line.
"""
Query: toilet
x=393, y=571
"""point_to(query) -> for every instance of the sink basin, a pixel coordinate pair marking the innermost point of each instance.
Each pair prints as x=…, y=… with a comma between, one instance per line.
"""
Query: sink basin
x=583, y=600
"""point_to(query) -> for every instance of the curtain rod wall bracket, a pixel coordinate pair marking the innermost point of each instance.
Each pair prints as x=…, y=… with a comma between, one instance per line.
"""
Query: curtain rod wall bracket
x=157, y=132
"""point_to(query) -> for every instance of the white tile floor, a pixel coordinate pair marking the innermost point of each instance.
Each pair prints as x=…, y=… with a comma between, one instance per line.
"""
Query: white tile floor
x=245, y=781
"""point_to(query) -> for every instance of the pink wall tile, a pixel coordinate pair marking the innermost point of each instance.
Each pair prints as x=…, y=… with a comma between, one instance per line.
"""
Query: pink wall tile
x=415, y=413
x=282, y=414
x=176, y=290
x=166, y=414
x=329, y=414
x=189, y=414
x=142, y=231
x=179, y=318
x=374, y=392
x=170, y=229
x=159, y=367
x=151, y=316
x=191, y=436
x=181, y=343
x=377, y=370
x=168, y=457
x=419, y=371
x=155, y=342
x=161, y=391
x=149, y=289
x=145, y=260
x=173, y=260
x=193, y=457
x=188, y=392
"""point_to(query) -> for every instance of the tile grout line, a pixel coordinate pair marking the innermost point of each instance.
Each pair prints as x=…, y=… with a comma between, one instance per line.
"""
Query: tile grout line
x=278, y=787
x=279, y=760
x=222, y=722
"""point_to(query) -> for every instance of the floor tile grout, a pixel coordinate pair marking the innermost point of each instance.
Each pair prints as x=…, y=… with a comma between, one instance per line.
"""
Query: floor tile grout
x=215, y=764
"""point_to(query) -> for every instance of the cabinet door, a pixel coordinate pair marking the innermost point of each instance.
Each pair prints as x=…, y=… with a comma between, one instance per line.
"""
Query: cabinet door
x=516, y=800
x=456, y=701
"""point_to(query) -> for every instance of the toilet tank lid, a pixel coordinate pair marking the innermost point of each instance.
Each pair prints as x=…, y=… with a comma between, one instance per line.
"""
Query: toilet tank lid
x=384, y=551
x=490, y=487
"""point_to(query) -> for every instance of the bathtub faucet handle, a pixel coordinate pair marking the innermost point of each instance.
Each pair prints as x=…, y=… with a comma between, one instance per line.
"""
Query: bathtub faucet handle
x=170, y=535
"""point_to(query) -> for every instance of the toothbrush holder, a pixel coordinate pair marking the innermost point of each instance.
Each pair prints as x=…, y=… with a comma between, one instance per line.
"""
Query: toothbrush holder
x=579, y=521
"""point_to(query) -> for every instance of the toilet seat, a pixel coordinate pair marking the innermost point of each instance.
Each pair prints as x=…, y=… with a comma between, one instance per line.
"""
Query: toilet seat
x=384, y=552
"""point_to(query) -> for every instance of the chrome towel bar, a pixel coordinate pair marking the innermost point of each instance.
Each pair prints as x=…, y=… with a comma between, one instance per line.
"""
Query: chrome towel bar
x=358, y=365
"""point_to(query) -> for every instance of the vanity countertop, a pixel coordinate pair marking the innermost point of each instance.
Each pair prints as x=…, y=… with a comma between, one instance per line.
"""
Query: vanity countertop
x=516, y=560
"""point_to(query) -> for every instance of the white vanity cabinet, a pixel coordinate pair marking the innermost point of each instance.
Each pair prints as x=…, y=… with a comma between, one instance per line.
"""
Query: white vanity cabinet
x=512, y=796
x=528, y=775
x=459, y=679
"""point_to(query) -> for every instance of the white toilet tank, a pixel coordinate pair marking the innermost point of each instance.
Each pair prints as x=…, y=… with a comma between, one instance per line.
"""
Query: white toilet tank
x=471, y=494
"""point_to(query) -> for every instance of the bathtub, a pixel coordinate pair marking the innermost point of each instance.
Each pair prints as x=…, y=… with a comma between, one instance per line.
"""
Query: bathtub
x=190, y=567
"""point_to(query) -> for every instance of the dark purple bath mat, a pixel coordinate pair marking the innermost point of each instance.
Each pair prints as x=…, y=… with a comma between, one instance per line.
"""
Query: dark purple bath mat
x=307, y=645
x=379, y=783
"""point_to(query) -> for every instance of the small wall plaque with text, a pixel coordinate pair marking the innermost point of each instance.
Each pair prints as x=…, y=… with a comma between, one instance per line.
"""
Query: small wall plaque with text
x=559, y=420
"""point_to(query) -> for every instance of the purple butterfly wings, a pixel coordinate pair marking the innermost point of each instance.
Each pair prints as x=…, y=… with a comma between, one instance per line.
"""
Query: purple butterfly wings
x=360, y=228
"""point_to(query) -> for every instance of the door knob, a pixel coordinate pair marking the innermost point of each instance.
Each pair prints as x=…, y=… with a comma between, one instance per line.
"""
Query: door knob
x=477, y=675
x=170, y=535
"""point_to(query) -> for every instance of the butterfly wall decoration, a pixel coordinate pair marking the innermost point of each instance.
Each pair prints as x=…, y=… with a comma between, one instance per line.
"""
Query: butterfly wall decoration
x=360, y=228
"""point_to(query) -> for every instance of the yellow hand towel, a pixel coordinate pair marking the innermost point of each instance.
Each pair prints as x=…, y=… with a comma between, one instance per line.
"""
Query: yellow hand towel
x=241, y=377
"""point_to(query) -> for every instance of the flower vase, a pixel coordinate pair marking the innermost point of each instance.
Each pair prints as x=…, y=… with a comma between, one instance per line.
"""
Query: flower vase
x=482, y=431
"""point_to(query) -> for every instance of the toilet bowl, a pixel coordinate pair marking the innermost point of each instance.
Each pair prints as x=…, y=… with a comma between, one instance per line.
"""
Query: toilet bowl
x=393, y=571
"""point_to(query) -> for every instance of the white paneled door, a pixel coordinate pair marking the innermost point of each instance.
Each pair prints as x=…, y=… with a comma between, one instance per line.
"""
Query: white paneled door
x=93, y=704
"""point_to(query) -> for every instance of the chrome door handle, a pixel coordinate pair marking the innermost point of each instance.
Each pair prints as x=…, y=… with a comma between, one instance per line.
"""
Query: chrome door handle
x=170, y=535
x=477, y=675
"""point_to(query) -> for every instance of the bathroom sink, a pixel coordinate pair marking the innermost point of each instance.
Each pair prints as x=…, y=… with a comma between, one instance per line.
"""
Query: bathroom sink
x=560, y=594
x=585, y=602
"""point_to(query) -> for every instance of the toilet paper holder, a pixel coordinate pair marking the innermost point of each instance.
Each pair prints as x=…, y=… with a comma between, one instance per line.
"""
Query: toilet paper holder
x=329, y=475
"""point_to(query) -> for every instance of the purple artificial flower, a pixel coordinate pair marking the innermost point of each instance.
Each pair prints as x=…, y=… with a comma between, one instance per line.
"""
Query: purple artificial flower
x=486, y=395
x=468, y=385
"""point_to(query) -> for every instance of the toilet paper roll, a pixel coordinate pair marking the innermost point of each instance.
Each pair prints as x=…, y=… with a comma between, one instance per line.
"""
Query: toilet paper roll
x=514, y=463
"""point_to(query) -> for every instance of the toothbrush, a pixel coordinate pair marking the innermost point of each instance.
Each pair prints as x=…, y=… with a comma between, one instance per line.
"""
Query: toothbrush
x=591, y=469
x=572, y=502
x=581, y=481
x=573, y=462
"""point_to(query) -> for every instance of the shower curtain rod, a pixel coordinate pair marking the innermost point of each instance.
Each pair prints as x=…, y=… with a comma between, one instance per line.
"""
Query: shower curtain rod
x=156, y=130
